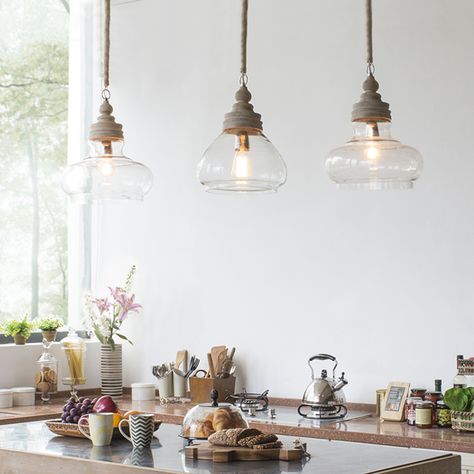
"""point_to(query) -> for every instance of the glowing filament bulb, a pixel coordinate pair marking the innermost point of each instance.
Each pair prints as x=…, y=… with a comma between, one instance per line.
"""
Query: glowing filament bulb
x=105, y=166
x=242, y=165
x=372, y=153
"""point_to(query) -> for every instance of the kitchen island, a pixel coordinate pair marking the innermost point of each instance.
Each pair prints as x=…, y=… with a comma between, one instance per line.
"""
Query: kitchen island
x=30, y=448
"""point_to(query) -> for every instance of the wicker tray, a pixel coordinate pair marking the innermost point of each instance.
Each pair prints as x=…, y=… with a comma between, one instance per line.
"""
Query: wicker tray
x=462, y=420
x=71, y=429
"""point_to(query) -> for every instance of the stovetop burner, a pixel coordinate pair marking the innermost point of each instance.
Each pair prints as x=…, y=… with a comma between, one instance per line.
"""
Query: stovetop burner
x=246, y=400
x=322, y=412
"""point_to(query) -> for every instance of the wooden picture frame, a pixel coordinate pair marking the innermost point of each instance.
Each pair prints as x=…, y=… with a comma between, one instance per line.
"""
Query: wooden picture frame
x=394, y=401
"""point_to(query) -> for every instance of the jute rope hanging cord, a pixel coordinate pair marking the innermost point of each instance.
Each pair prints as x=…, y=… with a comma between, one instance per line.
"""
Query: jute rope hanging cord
x=370, y=48
x=106, y=46
x=243, y=42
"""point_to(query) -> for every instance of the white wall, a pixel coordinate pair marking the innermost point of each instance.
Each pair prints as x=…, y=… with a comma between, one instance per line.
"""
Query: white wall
x=383, y=280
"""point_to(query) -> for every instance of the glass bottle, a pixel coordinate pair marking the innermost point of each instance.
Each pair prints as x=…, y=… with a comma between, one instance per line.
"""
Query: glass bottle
x=74, y=349
x=460, y=378
x=46, y=375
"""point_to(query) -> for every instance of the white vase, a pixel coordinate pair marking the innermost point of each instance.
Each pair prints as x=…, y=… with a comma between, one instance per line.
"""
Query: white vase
x=111, y=370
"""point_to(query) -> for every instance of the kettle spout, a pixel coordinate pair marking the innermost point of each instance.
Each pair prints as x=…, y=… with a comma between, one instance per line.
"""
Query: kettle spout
x=341, y=383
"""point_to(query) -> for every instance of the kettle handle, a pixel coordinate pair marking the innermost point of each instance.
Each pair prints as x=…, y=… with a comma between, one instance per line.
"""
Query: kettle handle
x=322, y=357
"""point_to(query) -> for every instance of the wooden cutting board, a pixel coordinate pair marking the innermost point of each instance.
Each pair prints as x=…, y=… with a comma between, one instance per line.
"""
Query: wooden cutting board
x=209, y=452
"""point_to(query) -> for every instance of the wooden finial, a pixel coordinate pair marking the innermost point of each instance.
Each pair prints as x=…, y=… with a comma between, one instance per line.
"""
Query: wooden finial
x=371, y=107
x=106, y=126
x=242, y=115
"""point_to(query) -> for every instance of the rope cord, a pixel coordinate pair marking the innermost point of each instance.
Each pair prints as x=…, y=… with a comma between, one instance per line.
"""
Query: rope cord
x=370, y=52
x=243, y=40
x=106, y=43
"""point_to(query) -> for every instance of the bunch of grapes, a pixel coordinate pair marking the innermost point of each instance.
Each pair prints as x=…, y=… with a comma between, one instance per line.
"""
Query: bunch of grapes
x=73, y=409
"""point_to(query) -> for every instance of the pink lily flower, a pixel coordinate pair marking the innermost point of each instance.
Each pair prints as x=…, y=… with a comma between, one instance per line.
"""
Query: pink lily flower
x=102, y=304
x=126, y=303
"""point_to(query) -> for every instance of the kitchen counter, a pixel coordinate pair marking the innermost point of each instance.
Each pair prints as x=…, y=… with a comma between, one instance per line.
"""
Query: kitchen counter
x=366, y=428
x=30, y=448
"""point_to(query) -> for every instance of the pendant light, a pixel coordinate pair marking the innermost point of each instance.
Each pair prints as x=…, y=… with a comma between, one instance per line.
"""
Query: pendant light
x=372, y=159
x=242, y=159
x=107, y=173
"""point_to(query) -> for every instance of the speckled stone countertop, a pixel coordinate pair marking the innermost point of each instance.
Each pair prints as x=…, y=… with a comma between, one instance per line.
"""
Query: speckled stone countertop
x=366, y=428
x=30, y=448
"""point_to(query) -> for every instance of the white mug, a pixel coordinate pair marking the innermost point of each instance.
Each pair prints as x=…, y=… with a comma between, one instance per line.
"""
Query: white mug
x=101, y=428
x=142, y=427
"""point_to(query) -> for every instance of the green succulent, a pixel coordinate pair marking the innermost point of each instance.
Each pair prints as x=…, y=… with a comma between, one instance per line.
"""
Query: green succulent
x=49, y=323
x=12, y=327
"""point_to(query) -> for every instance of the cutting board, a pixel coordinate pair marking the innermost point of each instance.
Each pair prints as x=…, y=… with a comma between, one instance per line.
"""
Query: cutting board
x=209, y=452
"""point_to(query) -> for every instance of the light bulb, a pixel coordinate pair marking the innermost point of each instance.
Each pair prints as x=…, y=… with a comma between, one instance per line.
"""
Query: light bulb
x=242, y=165
x=372, y=153
x=106, y=168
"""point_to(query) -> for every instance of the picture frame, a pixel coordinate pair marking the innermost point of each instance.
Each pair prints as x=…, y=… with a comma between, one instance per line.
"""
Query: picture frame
x=394, y=401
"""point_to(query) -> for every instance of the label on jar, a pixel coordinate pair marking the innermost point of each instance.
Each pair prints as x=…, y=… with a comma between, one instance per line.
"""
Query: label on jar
x=423, y=416
x=411, y=415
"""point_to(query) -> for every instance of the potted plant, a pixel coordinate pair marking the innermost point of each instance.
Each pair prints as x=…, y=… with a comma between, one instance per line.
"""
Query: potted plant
x=19, y=329
x=49, y=326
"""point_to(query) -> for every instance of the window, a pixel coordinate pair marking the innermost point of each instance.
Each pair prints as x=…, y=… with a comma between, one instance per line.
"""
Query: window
x=34, y=40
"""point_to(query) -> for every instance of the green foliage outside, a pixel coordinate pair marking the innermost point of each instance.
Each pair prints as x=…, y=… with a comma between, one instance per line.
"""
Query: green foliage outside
x=33, y=154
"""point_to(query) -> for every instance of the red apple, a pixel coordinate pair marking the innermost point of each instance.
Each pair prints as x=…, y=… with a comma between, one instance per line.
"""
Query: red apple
x=105, y=404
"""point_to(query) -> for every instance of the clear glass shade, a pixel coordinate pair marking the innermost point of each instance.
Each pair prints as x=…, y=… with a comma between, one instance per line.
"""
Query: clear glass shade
x=107, y=174
x=372, y=159
x=242, y=162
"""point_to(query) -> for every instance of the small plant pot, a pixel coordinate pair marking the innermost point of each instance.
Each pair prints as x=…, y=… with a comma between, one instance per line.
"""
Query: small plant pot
x=19, y=339
x=50, y=336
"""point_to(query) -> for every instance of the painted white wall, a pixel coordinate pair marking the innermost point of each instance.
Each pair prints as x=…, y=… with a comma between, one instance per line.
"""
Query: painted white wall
x=382, y=280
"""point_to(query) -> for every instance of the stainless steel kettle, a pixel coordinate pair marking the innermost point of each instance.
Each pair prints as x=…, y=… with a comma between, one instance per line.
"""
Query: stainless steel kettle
x=324, y=394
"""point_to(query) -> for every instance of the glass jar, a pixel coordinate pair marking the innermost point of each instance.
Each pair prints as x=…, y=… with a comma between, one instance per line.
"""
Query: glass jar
x=433, y=397
x=424, y=415
x=410, y=409
x=46, y=375
x=74, y=349
x=443, y=414
x=418, y=392
x=207, y=418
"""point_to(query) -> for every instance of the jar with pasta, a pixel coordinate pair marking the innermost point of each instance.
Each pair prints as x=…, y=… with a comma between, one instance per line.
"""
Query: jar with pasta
x=74, y=349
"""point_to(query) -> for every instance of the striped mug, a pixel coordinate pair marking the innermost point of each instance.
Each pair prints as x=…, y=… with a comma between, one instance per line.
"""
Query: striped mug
x=142, y=427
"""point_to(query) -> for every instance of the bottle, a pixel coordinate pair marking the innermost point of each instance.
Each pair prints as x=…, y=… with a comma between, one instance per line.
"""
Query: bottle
x=460, y=378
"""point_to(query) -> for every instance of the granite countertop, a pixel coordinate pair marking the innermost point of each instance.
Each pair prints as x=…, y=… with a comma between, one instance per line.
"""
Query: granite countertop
x=31, y=445
x=365, y=428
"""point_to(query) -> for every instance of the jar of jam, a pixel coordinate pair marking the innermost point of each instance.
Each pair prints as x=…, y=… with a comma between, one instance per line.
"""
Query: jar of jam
x=443, y=415
x=424, y=415
x=433, y=397
x=410, y=409
x=418, y=392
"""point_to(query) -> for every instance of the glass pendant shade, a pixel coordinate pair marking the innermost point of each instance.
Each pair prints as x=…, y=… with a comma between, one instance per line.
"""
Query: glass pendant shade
x=242, y=161
x=107, y=174
x=372, y=159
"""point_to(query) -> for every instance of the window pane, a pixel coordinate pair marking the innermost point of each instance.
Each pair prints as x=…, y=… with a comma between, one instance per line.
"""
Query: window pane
x=33, y=153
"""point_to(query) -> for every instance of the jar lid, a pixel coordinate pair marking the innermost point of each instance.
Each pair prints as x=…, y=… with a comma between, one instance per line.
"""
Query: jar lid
x=5, y=391
x=143, y=385
x=23, y=389
x=424, y=404
x=438, y=394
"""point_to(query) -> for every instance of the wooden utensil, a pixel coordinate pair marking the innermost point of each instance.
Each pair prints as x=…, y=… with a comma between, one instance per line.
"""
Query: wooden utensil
x=220, y=361
x=181, y=358
x=226, y=365
x=223, y=454
x=215, y=351
x=212, y=372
